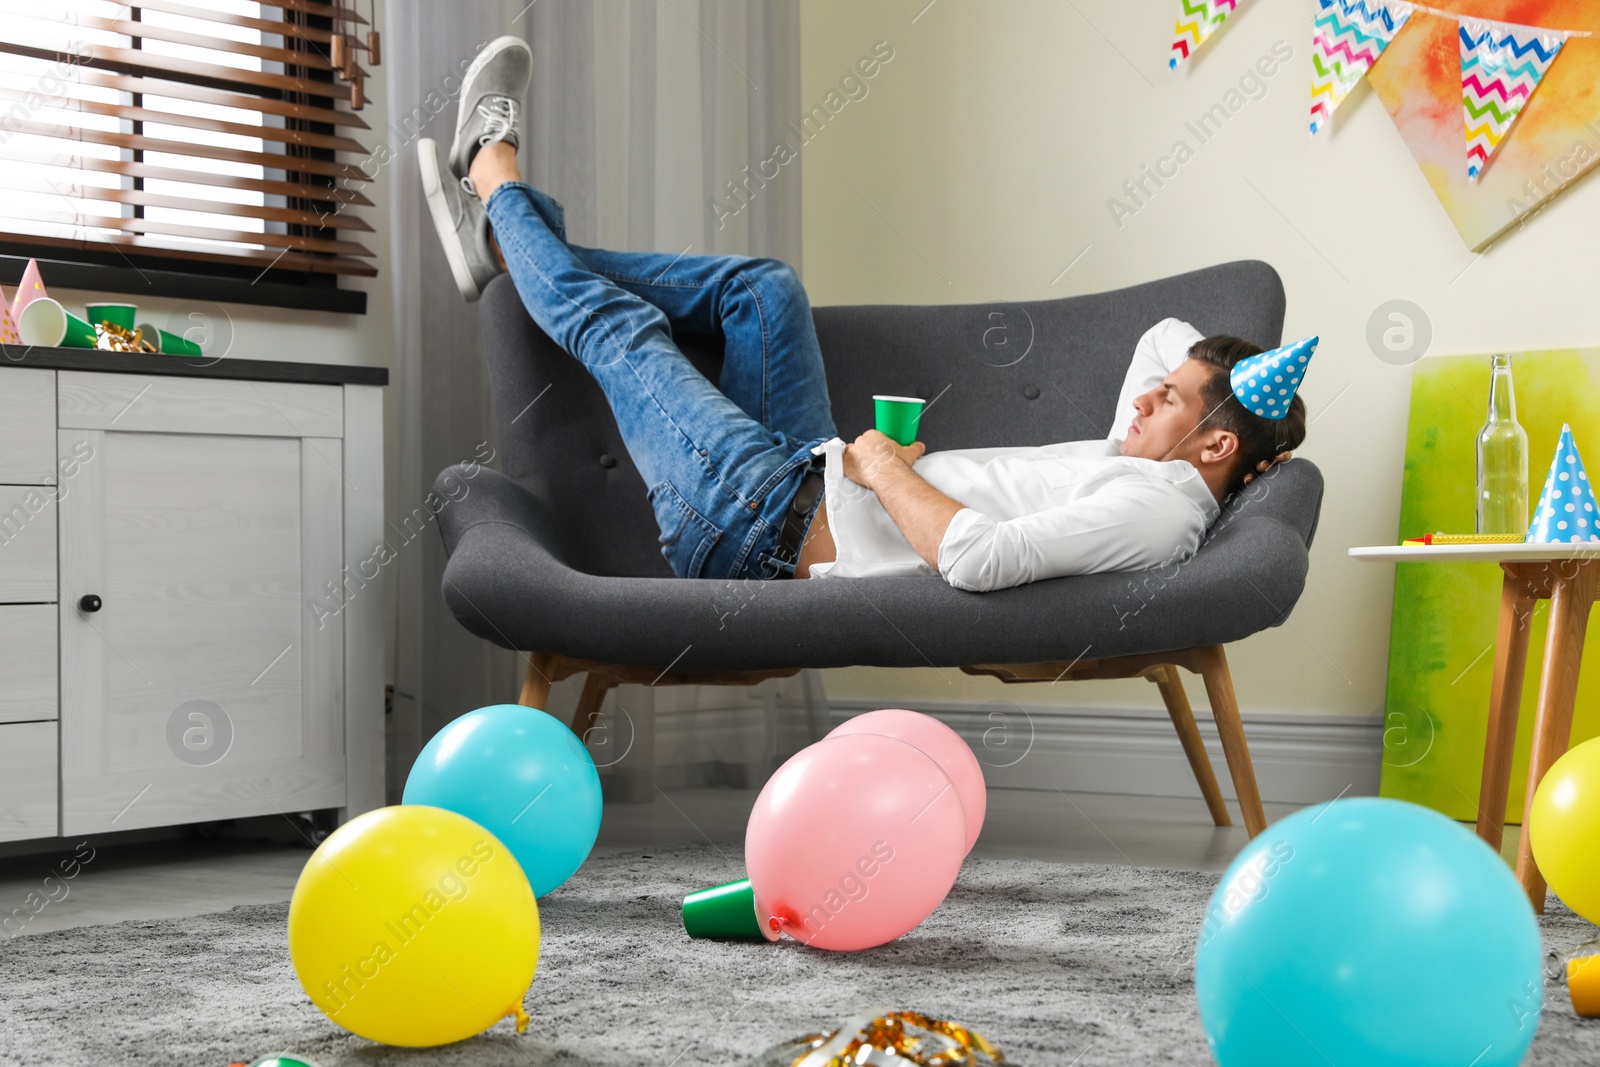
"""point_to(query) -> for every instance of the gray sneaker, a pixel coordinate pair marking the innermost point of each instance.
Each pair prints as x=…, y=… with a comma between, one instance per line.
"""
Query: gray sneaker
x=491, y=100
x=459, y=219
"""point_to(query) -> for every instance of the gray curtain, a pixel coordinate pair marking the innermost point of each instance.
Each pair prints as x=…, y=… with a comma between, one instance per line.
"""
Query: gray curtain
x=642, y=119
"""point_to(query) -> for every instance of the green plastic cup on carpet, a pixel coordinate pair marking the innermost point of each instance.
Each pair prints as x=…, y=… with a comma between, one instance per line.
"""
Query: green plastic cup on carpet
x=167, y=342
x=45, y=322
x=122, y=315
x=897, y=417
x=727, y=910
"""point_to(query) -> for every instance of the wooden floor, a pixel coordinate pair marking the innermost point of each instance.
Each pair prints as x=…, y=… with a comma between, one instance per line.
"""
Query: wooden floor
x=165, y=879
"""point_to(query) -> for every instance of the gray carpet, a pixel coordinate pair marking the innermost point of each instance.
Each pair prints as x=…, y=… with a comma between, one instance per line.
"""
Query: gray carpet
x=1056, y=964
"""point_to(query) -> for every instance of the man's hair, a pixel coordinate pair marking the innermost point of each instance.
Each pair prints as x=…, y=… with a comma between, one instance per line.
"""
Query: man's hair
x=1259, y=438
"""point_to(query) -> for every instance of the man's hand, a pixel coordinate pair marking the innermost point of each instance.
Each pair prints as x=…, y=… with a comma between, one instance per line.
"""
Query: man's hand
x=1250, y=476
x=920, y=512
x=866, y=456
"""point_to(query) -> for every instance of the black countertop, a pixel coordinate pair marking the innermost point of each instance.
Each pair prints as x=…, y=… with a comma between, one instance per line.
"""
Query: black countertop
x=261, y=370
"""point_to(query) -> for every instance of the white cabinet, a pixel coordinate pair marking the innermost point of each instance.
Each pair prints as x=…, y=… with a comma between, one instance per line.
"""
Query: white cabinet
x=182, y=570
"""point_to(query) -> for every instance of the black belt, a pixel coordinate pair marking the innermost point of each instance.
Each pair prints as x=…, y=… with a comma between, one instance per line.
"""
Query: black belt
x=794, y=520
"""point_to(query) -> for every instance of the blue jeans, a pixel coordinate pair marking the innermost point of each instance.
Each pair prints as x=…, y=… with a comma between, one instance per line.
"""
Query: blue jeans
x=722, y=463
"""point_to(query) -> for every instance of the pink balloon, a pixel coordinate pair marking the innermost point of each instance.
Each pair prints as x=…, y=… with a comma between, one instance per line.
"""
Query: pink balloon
x=853, y=842
x=940, y=743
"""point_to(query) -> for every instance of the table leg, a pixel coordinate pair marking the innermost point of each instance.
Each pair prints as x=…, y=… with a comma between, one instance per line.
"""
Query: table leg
x=1571, y=593
x=1505, y=698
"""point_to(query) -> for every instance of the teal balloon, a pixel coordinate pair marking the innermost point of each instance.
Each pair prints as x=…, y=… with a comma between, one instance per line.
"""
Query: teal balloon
x=523, y=776
x=1368, y=932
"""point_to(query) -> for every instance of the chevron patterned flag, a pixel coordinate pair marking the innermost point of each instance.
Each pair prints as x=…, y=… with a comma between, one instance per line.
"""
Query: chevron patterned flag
x=1347, y=38
x=1566, y=510
x=1197, y=20
x=1501, y=66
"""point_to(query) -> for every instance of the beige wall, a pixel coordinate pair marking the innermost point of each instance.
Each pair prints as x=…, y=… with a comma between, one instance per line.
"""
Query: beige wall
x=988, y=148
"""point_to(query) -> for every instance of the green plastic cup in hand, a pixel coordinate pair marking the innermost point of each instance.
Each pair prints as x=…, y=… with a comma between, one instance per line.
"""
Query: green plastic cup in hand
x=898, y=417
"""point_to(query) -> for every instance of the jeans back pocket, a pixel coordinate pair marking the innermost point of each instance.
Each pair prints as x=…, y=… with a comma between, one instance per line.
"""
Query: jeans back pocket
x=686, y=536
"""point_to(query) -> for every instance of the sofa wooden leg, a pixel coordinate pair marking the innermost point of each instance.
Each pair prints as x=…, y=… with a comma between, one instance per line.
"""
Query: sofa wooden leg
x=1177, y=702
x=536, y=684
x=1225, y=710
x=588, y=710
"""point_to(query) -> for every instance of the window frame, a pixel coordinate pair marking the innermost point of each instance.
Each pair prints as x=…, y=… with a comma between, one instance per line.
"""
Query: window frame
x=113, y=268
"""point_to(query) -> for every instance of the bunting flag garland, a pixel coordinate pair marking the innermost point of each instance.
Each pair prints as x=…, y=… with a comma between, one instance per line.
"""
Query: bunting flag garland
x=1197, y=20
x=1502, y=63
x=1348, y=36
x=1501, y=66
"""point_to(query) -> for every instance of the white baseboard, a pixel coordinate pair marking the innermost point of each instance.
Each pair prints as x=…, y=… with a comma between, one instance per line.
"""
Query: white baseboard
x=1298, y=758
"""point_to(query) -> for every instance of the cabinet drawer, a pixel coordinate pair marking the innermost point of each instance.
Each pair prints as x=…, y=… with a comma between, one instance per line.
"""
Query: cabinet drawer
x=91, y=400
x=27, y=543
x=27, y=426
x=27, y=662
x=27, y=780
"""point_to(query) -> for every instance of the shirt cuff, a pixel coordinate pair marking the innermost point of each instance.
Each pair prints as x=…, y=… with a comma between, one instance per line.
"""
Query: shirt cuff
x=967, y=528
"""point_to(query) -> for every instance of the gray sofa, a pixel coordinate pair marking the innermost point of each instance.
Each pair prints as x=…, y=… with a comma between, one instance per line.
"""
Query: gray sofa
x=555, y=554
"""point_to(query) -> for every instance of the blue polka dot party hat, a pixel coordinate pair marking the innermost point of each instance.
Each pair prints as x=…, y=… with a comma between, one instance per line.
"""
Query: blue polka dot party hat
x=1266, y=383
x=1566, y=511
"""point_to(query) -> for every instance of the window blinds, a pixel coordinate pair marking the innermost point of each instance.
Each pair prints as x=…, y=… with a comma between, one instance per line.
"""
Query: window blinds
x=219, y=131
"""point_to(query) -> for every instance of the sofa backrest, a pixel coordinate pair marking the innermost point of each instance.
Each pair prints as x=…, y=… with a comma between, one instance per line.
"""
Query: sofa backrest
x=996, y=373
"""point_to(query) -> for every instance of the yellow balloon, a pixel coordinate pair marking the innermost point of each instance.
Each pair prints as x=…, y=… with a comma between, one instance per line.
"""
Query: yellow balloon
x=1564, y=828
x=413, y=925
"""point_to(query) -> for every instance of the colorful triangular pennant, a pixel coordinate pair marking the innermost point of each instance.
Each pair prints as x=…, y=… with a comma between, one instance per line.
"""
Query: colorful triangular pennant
x=1197, y=20
x=1566, y=511
x=1501, y=66
x=1265, y=383
x=1347, y=38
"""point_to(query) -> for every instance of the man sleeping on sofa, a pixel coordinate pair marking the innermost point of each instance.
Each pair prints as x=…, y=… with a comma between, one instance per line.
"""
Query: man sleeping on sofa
x=990, y=518
x=748, y=477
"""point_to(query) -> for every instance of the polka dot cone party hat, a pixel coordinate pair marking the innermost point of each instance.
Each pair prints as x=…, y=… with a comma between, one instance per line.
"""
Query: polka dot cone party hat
x=1266, y=383
x=29, y=289
x=8, y=329
x=1566, y=511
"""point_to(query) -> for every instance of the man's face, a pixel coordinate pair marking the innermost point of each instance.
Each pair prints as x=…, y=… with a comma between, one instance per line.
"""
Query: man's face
x=1162, y=423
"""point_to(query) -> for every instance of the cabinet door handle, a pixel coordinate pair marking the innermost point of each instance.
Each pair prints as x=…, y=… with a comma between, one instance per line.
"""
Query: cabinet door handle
x=88, y=602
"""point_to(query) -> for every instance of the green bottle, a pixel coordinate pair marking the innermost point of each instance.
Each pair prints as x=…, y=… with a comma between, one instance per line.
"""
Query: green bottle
x=1502, y=459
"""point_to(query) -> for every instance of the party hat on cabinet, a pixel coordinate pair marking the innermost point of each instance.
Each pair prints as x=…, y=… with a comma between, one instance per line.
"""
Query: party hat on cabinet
x=8, y=328
x=1265, y=383
x=29, y=289
x=1566, y=512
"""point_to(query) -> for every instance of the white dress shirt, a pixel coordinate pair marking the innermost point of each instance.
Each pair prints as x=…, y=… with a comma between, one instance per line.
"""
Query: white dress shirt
x=1031, y=513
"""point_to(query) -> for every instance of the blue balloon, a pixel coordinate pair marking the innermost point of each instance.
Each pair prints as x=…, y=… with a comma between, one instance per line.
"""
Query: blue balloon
x=523, y=776
x=1368, y=932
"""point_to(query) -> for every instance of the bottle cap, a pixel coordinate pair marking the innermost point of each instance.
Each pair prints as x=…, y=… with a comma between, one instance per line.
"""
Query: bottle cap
x=727, y=910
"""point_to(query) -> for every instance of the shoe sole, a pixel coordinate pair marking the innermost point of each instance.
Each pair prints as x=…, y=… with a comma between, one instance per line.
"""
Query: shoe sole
x=439, y=208
x=483, y=59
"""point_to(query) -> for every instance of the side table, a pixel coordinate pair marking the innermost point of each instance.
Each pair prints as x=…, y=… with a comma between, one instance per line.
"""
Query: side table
x=1568, y=575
